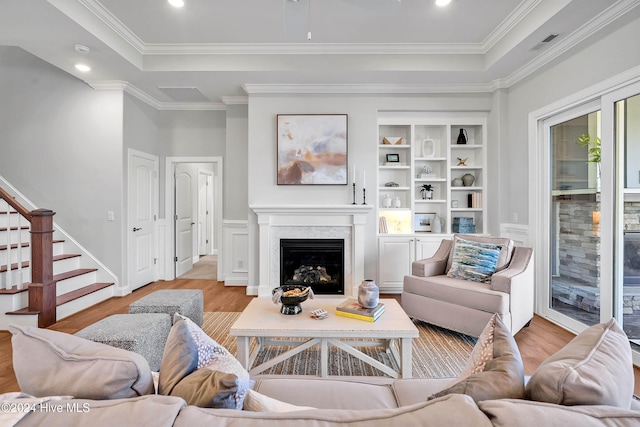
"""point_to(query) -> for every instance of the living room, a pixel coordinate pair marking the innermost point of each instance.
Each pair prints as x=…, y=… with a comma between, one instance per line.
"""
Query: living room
x=66, y=137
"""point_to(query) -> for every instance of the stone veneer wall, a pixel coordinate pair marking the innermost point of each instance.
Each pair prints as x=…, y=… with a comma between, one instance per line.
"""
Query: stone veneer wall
x=579, y=241
x=632, y=216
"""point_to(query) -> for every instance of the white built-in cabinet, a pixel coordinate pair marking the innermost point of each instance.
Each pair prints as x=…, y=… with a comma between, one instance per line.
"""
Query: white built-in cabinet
x=416, y=149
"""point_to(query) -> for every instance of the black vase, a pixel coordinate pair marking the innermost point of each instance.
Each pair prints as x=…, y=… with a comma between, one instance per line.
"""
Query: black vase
x=462, y=139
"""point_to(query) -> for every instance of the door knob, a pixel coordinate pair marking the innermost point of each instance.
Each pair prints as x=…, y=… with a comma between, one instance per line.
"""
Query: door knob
x=136, y=229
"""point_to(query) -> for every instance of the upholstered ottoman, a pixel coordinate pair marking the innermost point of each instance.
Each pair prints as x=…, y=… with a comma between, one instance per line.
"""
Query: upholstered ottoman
x=188, y=302
x=145, y=334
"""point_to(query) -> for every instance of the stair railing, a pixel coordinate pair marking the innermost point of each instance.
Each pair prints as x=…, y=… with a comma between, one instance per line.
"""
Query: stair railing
x=42, y=289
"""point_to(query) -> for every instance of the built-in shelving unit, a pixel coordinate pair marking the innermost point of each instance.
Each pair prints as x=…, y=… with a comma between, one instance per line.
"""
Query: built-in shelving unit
x=425, y=152
x=422, y=149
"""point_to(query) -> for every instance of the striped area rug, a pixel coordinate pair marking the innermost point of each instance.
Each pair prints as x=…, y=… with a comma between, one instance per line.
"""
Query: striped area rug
x=437, y=353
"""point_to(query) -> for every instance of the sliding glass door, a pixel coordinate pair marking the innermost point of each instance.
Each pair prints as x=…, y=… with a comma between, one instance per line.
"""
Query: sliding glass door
x=627, y=291
x=574, y=216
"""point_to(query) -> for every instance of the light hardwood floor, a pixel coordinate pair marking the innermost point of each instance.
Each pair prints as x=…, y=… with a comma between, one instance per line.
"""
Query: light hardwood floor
x=536, y=343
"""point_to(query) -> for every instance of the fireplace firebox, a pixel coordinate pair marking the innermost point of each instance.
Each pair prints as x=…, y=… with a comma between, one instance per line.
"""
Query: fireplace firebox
x=318, y=263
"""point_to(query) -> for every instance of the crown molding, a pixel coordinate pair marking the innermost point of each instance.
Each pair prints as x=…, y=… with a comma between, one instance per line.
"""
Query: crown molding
x=380, y=89
x=235, y=100
x=509, y=23
x=589, y=28
x=153, y=102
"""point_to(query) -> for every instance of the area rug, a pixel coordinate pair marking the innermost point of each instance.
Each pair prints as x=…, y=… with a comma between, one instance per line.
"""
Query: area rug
x=205, y=269
x=437, y=353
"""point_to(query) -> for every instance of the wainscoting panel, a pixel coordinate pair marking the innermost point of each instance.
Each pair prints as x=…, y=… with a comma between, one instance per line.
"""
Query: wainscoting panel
x=519, y=233
x=234, y=256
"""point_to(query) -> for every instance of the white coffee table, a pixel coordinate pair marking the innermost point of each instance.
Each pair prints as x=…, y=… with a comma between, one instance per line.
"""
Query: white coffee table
x=262, y=320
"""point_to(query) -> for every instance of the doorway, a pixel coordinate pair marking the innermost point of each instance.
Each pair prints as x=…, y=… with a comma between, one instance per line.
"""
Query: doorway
x=194, y=211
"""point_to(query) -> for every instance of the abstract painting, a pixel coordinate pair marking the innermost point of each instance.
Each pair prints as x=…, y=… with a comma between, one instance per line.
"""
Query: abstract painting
x=312, y=149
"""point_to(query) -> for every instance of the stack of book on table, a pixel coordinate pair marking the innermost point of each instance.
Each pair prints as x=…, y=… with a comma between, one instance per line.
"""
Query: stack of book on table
x=351, y=308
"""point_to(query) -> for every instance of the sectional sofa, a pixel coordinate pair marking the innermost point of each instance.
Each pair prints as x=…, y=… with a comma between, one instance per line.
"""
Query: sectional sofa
x=66, y=380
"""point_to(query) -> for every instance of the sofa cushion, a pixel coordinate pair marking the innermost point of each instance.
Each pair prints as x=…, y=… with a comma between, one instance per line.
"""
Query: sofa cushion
x=328, y=393
x=455, y=410
x=501, y=377
x=48, y=363
x=477, y=296
x=257, y=402
x=151, y=410
x=595, y=368
x=474, y=261
x=220, y=380
x=506, y=250
x=523, y=413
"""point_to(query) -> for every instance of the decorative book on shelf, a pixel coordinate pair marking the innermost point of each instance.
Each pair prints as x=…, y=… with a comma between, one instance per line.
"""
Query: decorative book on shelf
x=351, y=308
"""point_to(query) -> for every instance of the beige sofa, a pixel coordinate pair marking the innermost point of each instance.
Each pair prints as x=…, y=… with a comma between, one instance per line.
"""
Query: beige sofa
x=588, y=383
x=431, y=295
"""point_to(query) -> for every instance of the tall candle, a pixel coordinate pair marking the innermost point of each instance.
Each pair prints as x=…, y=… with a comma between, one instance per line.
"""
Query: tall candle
x=364, y=177
x=354, y=174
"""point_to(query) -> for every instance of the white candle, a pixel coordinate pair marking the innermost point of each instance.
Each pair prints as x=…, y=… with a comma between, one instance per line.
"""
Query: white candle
x=354, y=174
x=364, y=177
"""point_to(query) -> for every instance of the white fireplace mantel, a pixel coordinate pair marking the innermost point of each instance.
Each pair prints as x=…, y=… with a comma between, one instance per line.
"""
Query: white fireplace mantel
x=277, y=222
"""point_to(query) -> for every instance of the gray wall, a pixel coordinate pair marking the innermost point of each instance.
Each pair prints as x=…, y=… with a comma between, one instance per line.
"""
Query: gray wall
x=236, y=164
x=605, y=54
x=61, y=146
x=362, y=113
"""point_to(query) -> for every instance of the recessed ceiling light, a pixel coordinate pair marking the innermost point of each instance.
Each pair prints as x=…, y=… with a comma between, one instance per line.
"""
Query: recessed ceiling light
x=442, y=3
x=83, y=67
x=176, y=3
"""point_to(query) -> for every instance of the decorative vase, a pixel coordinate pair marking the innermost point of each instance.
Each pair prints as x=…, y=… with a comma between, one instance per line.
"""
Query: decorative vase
x=368, y=294
x=462, y=137
x=397, y=203
x=386, y=201
x=457, y=182
x=436, y=225
x=428, y=147
x=468, y=180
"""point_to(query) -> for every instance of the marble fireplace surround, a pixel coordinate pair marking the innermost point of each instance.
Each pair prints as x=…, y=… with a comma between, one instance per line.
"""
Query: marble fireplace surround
x=277, y=222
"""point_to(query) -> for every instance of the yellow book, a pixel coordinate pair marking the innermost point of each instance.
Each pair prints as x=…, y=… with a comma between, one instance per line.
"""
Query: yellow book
x=359, y=316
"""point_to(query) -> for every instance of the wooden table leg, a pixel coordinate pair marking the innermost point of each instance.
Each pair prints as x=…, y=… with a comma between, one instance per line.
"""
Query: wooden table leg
x=406, y=367
x=324, y=358
x=243, y=345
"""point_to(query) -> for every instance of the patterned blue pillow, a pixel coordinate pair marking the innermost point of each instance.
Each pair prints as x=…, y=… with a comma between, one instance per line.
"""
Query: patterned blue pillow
x=474, y=261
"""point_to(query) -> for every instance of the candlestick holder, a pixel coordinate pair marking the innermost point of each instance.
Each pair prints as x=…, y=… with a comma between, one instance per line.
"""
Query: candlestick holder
x=354, y=194
x=364, y=196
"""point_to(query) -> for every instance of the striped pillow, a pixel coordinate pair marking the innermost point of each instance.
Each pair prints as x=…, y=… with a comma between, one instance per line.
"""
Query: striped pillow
x=474, y=261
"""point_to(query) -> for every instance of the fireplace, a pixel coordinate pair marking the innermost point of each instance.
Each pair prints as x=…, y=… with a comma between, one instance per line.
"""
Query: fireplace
x=318, y=263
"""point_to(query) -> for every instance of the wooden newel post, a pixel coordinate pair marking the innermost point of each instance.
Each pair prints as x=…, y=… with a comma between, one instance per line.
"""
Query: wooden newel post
x=42, y=290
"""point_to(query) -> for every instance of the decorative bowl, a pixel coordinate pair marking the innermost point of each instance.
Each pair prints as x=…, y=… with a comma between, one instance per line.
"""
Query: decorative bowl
x=291, y=296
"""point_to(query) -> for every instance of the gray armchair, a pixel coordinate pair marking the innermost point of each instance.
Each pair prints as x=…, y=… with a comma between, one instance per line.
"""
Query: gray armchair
x=465, y=306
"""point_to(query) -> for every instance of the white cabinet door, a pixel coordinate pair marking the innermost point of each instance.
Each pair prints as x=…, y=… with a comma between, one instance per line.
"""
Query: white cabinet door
x=395, y=255
x=426, y=247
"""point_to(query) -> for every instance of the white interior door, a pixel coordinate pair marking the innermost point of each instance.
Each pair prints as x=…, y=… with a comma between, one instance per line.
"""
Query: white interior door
x=205, y=223
x=184, y=223
x=142, y=183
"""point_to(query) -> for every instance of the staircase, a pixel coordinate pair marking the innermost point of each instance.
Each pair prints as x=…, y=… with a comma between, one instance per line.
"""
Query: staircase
x=44, y=275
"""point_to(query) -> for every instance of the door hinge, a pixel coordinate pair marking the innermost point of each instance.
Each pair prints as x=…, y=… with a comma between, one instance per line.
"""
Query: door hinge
x=155, y=260
x=176, y=259
x=176, y=217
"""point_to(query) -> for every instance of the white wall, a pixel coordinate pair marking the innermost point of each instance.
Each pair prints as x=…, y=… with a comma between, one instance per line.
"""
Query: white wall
x=362, y=113
x=61, y=146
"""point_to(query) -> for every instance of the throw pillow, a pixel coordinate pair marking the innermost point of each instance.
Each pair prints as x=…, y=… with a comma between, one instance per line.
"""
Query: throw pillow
x=208, y=388
x=258, y=402
x=595, y=368
x=210, y=356
x=482, y=352
x=506, y=251
x=180, y=357
x=501, y=377
x=49, y=363
x=474, y=261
